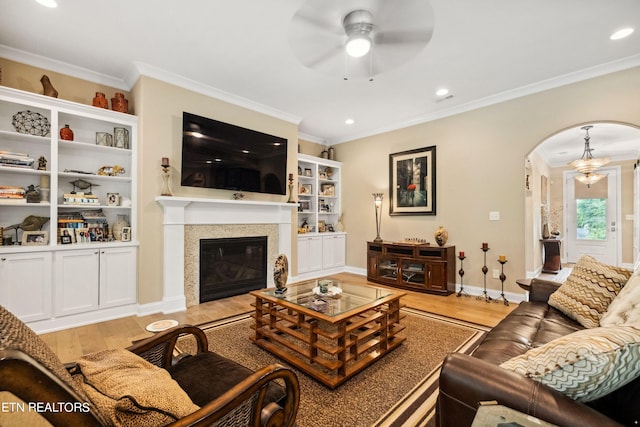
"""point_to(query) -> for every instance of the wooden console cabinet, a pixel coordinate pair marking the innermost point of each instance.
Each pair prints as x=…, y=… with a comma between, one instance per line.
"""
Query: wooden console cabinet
x=422, y=268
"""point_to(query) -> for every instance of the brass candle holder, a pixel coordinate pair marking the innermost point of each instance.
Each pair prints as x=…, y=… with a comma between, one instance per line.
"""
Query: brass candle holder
x=166, y=177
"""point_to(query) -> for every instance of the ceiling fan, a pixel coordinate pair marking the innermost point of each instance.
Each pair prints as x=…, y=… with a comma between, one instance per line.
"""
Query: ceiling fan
x=359, y=38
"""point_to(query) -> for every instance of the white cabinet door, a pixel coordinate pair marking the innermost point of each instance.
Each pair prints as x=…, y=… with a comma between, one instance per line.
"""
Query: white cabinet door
x=309, y=254
x=76, y=285
x=333, y=251
x=25, y=285
x=117, y=276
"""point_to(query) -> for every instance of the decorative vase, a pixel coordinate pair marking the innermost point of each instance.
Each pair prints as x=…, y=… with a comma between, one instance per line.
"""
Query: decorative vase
x=121, y=138
x=119, y=103
x=441, y=236
x=47, y=87
x=281, y=274
x=100, y=101
x=545, y=231
x=332, y=153
x=66, y=133
x=118, y=225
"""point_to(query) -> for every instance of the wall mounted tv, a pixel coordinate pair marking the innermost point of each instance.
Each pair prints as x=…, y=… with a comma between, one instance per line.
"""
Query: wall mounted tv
x=224, y=156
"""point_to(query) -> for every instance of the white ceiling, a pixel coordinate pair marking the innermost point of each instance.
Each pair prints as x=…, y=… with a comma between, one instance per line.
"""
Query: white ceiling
x=483, y=51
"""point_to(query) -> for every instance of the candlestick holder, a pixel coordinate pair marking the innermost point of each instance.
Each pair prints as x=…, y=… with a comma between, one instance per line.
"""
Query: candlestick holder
x=502, y=279
x=166, y=176
x=291, y=189
x=485, y=269
x=461, y=273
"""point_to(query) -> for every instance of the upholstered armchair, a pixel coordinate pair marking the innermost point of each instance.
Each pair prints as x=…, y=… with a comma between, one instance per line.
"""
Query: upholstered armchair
x=149, y=383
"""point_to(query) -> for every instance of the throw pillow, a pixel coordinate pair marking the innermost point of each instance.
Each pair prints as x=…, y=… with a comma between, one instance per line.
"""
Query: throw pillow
x=588, y=291
x=131, y=391
x=586, y=364
x=625, y=308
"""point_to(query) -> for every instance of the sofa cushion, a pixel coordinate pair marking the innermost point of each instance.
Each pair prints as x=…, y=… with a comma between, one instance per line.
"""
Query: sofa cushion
x=131, y=391
x=625, y=308
x=588, y=291
x=207, y=376
x=531, y=324
x=586, y=364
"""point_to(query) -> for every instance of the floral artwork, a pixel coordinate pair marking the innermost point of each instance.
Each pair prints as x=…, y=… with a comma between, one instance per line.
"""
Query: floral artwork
x=412, y=176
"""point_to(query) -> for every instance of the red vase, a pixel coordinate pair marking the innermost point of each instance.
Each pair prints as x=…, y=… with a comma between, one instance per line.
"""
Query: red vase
x=66, y=133
x=100, y=101
x=120, y=103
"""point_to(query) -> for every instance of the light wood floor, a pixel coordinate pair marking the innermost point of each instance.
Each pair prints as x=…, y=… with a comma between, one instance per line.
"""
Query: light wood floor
x=73, y=343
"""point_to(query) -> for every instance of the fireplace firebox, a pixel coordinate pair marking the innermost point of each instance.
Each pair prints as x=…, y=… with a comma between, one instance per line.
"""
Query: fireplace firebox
x=232, y=266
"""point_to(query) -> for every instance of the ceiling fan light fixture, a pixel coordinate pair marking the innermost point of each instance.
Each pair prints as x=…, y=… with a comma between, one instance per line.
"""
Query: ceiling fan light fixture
x=358, y=45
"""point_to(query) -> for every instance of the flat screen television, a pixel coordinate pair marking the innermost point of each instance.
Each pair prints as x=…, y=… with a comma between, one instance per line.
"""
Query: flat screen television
x=224, y=156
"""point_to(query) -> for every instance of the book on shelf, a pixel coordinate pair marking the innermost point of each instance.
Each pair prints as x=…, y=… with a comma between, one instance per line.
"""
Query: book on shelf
x=8, y=158
x=12, y=194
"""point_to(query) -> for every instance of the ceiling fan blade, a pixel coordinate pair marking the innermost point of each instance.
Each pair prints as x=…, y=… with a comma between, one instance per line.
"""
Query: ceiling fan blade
x=395, y=37
x=318, y=60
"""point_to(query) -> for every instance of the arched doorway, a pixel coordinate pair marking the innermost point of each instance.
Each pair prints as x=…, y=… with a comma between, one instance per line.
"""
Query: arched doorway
x=547, y=172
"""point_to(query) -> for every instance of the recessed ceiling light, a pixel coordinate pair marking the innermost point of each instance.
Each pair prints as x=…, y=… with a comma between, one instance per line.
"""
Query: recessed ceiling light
x=245, y=151
x=620, y=34
x=48, y=3
x=442, y=92
x=197, y=134
x=349, y=121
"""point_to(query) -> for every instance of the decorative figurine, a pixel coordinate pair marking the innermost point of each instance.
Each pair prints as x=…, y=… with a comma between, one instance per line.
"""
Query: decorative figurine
x=281, y=274
x=47, y=87
x=42, y=163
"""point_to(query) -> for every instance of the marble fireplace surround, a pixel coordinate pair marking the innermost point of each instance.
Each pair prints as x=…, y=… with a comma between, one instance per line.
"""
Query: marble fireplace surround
x=187, y=220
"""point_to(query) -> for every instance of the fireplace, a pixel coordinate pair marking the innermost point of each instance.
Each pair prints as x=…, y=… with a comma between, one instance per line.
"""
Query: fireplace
x=232, y=266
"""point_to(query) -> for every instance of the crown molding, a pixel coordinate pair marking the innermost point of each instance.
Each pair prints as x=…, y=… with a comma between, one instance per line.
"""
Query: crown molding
x=566, y=79
x=312, y=138
x=142, y=69
x=61, y=67
x=138, y=69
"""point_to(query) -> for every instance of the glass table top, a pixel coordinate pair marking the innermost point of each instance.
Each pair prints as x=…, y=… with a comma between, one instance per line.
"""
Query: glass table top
x=328, y=296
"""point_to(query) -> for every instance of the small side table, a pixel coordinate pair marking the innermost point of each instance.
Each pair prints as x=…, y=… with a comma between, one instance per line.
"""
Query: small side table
x=551, y=256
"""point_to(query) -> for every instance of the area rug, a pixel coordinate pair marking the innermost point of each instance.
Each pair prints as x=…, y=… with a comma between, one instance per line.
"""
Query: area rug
x=399, y=389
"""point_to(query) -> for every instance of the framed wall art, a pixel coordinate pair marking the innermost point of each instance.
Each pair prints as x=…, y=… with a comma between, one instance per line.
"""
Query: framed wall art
x=412, y=182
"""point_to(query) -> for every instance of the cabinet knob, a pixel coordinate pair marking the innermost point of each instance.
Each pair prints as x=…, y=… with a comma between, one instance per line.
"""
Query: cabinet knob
x=95, y=253
x=3, y=259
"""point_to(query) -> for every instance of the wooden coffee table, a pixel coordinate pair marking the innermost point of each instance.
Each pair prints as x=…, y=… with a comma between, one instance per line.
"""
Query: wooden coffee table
x=330, y=337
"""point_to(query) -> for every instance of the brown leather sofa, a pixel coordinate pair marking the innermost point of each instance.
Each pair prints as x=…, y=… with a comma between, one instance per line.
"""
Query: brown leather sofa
x=465, y=380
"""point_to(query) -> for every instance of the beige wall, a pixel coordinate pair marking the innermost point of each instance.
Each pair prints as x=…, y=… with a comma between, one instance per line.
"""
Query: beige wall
x=159, y=106
x=480, y=168
x=480, y=161
x=25, y=77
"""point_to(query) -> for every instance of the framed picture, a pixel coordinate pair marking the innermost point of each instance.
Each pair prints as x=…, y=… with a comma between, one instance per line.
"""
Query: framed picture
x=113, y=199
x=304, y=206
x=35, y=238
x=412, y=182
x=307, y=172
x=126, y=234
x=322, y=227
x=305, y=189
x=328, y=189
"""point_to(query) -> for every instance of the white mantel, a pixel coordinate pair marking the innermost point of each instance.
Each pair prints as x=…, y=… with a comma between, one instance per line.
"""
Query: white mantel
x=181, y=211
